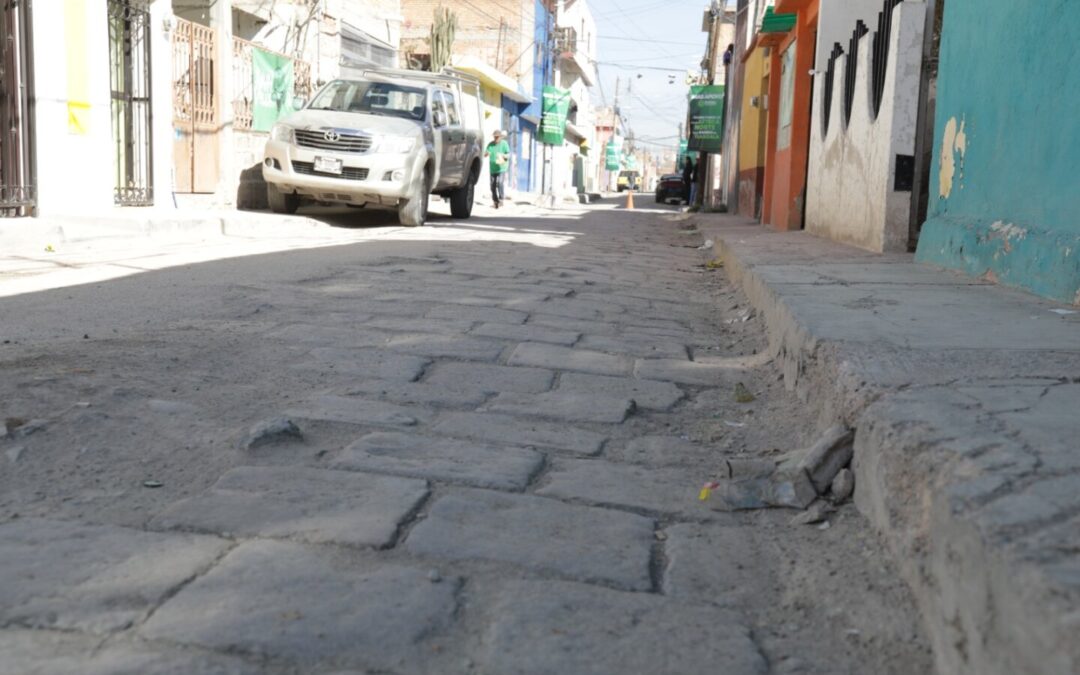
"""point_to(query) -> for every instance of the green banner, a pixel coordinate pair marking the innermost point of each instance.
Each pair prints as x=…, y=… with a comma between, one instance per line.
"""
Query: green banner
x=611, y=156
x=555, y=107
x=707, y=117
x=272, y=87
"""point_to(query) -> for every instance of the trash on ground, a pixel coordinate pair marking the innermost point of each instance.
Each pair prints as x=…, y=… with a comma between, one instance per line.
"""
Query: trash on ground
x=152, y=483
x=794, y=480
x=743, y=395
x=709, y=243
x=707, y=489
x=1064, y=312
x=714, y=264
x=734, y=424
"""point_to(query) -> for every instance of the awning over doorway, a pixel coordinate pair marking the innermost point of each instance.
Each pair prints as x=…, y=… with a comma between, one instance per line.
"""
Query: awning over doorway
x=491, y=77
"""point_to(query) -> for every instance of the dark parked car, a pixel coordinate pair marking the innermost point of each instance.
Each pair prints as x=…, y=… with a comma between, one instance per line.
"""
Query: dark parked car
x=670, y=187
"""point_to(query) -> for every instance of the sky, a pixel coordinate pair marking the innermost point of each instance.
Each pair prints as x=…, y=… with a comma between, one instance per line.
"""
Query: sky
x=638, y=39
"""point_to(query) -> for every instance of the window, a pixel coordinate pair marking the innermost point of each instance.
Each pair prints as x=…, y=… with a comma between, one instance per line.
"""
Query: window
x=437, y=106
x=373, y=98
x=787, y=96
x=451, y=109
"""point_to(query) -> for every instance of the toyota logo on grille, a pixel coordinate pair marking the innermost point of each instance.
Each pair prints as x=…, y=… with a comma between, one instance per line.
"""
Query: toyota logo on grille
x=332, y=136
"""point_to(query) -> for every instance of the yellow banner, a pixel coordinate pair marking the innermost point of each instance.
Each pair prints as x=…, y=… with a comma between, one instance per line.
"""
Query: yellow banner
x=78, y=81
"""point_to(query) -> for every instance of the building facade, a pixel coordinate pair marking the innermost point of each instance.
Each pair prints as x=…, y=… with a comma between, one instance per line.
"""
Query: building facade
x=1003, y=198
x=151, y=103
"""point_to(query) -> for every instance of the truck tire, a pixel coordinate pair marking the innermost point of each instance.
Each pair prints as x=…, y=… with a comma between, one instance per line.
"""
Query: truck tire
x=461, y=199
x=413, y=211
x=281, y=202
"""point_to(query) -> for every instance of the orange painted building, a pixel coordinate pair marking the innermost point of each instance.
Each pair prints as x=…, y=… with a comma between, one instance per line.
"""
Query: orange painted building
x=792, y=43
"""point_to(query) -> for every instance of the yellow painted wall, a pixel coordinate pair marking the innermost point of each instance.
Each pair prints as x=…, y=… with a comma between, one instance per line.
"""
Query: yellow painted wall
x=752, y=123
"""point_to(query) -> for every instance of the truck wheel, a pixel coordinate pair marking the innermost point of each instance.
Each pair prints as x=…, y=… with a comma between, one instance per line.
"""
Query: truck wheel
x=413, y=211
x=461, y=199
x=281, y=202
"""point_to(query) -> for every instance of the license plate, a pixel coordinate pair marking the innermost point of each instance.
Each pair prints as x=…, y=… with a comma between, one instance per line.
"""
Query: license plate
x=328, y=165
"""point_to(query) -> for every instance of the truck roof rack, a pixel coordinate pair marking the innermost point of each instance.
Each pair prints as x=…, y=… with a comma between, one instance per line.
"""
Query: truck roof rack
x=447, y=76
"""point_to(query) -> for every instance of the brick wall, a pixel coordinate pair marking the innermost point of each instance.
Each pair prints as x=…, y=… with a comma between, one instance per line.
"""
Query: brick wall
x=479, y=34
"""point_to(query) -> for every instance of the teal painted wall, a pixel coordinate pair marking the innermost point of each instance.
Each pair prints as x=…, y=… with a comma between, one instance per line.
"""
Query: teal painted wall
x=1005, y=183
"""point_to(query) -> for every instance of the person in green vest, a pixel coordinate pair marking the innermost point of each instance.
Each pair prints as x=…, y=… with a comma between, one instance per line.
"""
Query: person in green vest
x=498, y=152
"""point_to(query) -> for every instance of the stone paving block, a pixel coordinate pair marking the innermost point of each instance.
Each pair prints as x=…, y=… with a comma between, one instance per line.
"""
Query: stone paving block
x=565, y=406
x=528, y=332
x=419, y=325
x=654, y=490
x=683, y=372
x=309, y=607
x=315, y=334
x=444, y=459
x=29, y=652
x=312, y=505
x=570, y=308
x=405, y=309
x=566, y=358
x=447, y=346
x=95, y=578
x=476, y=313
x=351, y=410
x=543, y=535
x=419, y=393
x=491, y=379
x=641, y=347
x=506, y=429
x=553, y=628
x=575, y=325
x=378, y=364
x=712, y=563
x=648, y=394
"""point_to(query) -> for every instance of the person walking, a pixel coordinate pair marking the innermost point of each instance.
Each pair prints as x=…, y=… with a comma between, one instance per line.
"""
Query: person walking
x=498, y=152
x=687, y=178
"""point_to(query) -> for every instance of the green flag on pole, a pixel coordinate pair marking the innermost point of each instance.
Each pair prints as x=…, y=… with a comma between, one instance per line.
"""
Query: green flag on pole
x=272, y=87
x=707, y=117
x=556, y=106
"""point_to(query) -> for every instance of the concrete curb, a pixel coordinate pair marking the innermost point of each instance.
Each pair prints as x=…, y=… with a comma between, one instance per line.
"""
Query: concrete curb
x=977, y=495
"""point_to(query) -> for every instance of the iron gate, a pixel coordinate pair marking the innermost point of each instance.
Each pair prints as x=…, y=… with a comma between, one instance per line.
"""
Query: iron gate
x=129, y=75
x=18, y=192
x=195, y=104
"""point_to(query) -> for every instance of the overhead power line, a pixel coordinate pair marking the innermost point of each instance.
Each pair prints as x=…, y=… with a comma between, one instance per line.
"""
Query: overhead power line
x=633, y=39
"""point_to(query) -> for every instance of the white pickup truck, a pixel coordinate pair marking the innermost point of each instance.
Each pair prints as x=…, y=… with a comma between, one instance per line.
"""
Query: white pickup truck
x=384, y=138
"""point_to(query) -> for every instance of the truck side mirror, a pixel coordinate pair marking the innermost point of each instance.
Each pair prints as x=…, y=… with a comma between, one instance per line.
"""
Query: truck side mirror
x=440, y=118
x=298, y=102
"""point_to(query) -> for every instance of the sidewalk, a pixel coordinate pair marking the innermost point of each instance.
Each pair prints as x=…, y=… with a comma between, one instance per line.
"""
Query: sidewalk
x=965, y=397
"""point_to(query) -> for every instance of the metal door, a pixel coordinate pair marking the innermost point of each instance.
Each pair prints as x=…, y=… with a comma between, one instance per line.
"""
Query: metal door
x=454, y=158
x=195, y=104
x=18, y=170
x=129, y=75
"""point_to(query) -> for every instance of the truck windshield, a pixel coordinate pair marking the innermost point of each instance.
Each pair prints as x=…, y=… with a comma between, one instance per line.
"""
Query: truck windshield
x=373, y=98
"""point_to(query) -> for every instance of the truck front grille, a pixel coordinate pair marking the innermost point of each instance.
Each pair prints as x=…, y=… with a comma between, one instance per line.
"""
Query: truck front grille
x=338, y=141
x=348, y=172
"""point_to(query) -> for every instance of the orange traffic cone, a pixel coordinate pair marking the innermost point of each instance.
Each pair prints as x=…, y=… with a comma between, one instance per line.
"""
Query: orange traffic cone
x=629, y=199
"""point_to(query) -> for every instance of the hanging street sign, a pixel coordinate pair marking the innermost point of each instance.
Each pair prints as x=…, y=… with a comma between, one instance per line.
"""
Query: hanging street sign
x=707, y=117
x=556, y=105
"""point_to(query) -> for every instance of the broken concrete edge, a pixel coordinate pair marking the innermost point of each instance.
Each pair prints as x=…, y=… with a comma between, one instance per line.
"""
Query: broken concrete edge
x=984, y=612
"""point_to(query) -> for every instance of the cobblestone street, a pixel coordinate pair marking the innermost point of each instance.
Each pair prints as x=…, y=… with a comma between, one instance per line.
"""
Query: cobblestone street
x=474, y=447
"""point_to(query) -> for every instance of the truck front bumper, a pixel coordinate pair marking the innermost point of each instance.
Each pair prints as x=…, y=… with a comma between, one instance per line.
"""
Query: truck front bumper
x=367, y=178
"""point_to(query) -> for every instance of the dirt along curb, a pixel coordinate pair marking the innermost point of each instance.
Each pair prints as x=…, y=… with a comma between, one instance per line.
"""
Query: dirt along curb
x=964, y=397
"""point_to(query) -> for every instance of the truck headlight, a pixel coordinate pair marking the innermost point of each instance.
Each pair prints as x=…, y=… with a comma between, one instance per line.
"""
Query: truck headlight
x=396, y=144
x=281, y=132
